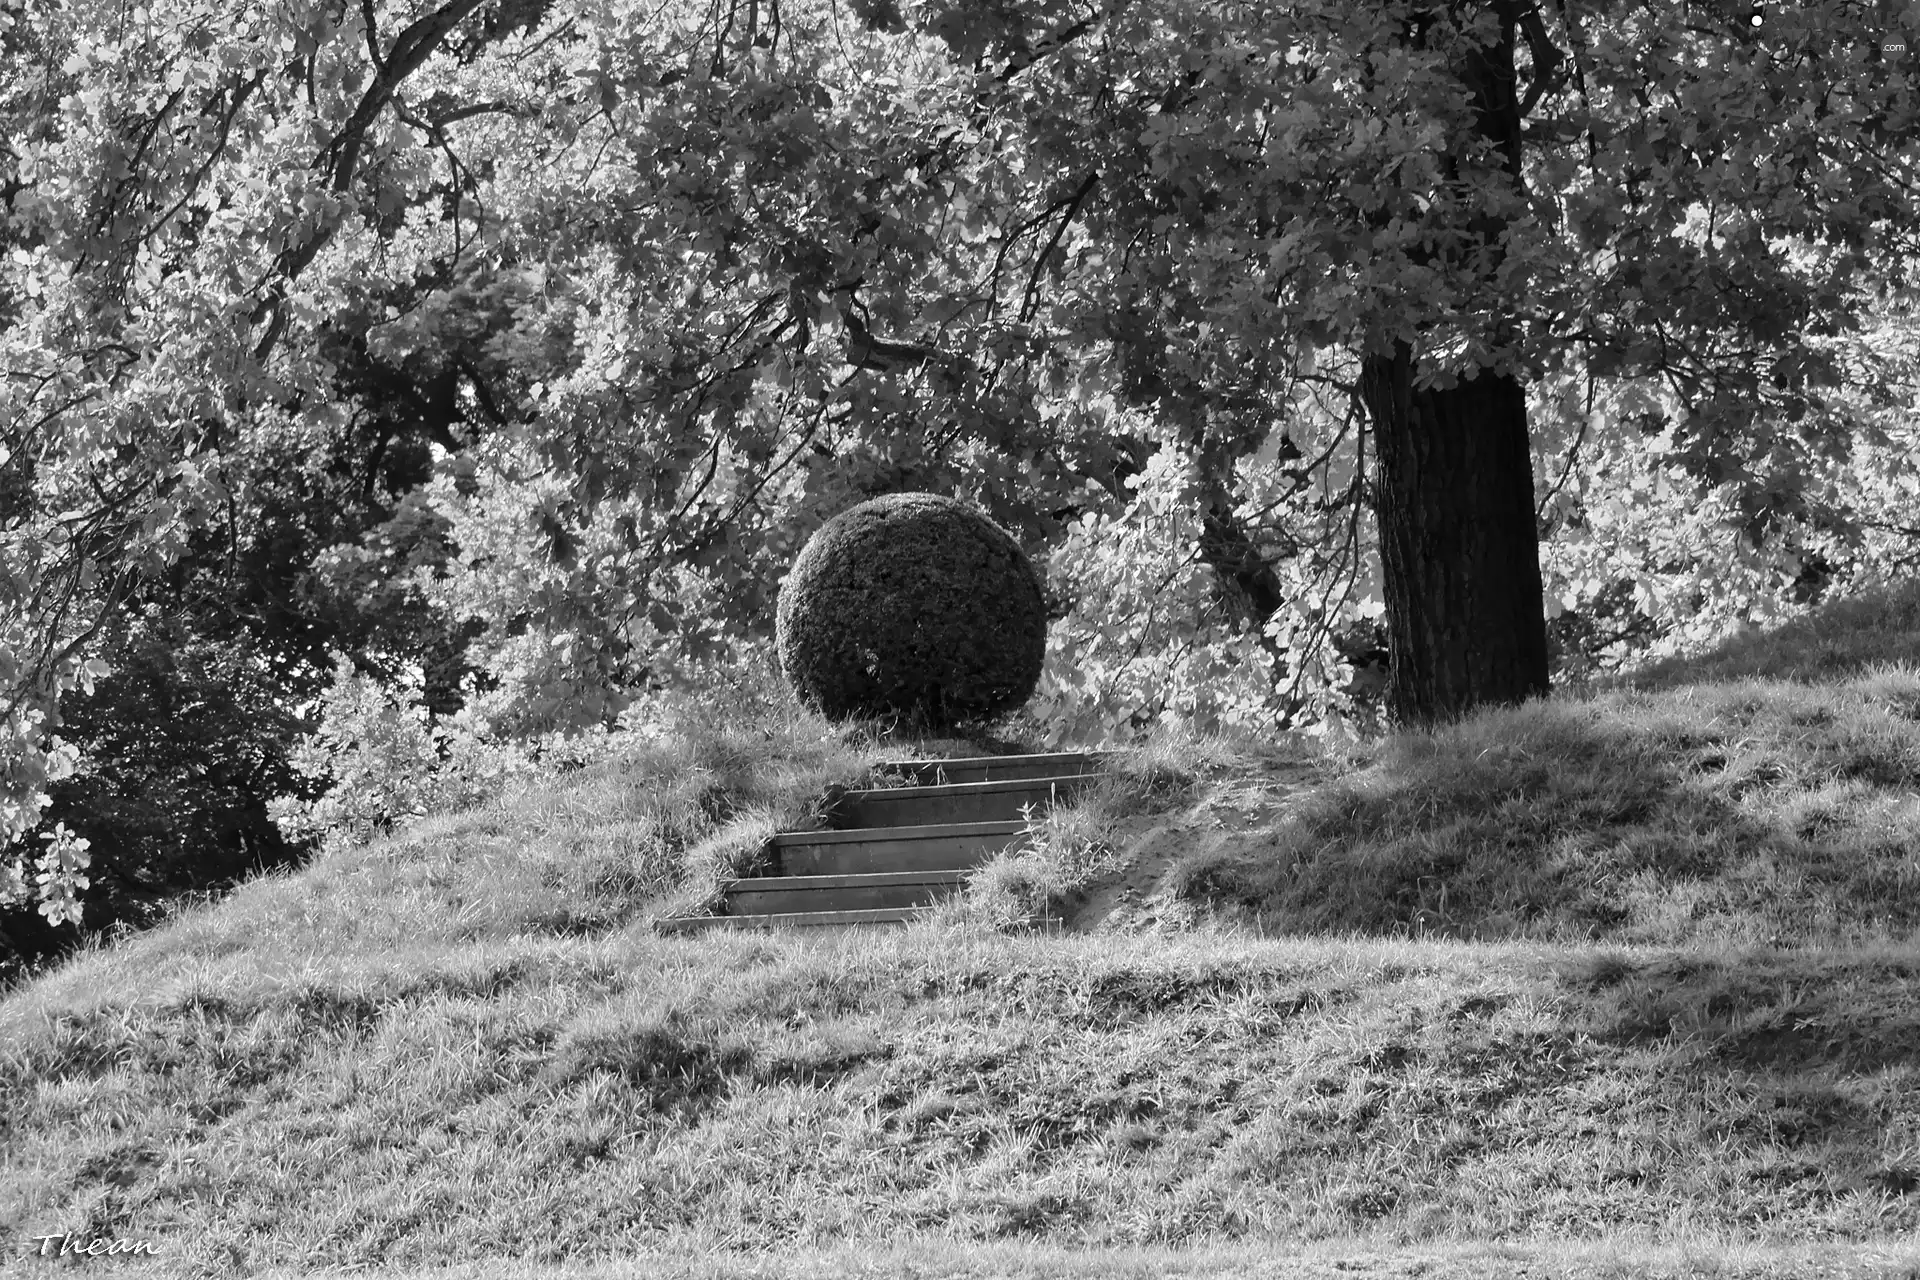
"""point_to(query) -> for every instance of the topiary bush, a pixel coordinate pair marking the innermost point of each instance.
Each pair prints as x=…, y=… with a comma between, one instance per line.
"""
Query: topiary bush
x=912, y=604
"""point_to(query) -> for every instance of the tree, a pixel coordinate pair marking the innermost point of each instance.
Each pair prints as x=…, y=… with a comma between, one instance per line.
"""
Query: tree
x=1454, y=496
x=1370, y=173
x=664, y=290
x=148, y=281
x=1457, y=524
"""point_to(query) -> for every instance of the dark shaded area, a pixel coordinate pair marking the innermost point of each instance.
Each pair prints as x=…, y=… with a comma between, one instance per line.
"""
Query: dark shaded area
x=675, y=1071
x=215, y=661
x=1835, y=640
x=1566, y=829
x=1787, y=1036
x=183, y=746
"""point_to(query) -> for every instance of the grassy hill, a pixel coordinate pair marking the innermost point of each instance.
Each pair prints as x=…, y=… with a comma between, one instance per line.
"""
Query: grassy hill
x=1614, y=984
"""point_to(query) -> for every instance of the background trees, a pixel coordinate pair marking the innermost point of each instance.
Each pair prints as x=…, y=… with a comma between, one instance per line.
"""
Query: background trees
x=512, y=349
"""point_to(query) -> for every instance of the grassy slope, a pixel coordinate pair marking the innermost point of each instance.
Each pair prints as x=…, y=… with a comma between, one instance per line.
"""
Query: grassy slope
x=1764, y=796
x=465, y=1043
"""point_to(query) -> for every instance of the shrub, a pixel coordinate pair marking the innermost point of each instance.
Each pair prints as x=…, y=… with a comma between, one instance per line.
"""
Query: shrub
x=387, y=760
x=912, y=604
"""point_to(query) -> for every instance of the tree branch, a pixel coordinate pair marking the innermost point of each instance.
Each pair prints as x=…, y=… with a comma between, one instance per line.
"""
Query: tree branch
x=242, y=90
x=373, y=35
x=1547, y=59
x=410, y=51
x=1050, y=44
x=1030, y=302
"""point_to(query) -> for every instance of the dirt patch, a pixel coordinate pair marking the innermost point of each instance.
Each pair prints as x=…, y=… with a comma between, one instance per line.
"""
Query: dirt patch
x=1239, y=810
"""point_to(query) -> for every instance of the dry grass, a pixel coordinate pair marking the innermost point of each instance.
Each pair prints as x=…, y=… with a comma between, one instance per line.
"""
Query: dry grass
x=1611, y=973
x=1746, y=811
x=1356, y=1259
x=1873, y=626
x=575, y=1099
x=1036, y=882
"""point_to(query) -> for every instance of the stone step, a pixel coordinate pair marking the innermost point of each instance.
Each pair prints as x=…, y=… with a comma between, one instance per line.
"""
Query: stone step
x=940, y=773
x=795, y=920
x=951, y=846
x=770, y=895
x=899, y=849
x=958, y=802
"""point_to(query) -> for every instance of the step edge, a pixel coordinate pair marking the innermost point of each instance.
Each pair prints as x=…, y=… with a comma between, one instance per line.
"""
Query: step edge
x=957, y=860
x=964, y=762
x=762, y=920
x=970, y=788
x=842, y=880
x=928, y=831
x=898, y=898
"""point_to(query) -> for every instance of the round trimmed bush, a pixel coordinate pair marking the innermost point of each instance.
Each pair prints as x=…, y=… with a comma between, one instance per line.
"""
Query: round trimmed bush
x=916, y=604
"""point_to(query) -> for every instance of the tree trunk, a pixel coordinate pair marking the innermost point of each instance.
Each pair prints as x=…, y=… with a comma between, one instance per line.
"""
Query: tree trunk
x=1459, y=549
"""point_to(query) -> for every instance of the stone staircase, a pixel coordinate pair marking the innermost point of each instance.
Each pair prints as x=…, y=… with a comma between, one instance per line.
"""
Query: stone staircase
x=894, y=850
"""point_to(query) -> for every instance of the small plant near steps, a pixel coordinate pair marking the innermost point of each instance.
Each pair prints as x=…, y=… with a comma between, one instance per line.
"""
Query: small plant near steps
x=891, y=851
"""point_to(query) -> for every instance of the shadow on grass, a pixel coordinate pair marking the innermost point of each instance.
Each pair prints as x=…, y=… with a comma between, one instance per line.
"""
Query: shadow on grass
x=1746, y=814
x=1840, y=639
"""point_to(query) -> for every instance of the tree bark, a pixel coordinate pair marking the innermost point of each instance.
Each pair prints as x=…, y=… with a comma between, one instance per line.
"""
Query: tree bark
x=1245, y=574
x=1459, y=549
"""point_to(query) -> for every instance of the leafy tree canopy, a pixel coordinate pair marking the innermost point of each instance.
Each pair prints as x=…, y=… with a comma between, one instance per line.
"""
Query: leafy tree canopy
x=669, y=285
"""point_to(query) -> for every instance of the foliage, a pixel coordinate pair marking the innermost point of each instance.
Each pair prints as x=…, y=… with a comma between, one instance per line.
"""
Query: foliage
x=1644, y=562
x=56, y=876
x=383, y=758
x=183, y=746
x=914, y=604
x=666, y=287
x=386, y=760
x=1149, y=638
x=567, y=623
x=180, y=749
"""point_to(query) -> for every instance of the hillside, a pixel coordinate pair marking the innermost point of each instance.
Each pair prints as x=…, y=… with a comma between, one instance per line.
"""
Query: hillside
x=1611, y=985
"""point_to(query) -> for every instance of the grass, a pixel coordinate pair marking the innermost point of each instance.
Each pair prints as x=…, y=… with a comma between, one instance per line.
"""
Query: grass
x=1770, y=801
x=574, y=1100
x=1616, y=984
x=1298, y=1261
x=1301, y=1260
x=1067, y=849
